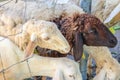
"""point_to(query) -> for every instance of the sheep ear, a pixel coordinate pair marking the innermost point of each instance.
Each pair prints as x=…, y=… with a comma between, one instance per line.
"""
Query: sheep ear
x=29, y=49
x=78, y=46
x=31, y=46
x=58, y=75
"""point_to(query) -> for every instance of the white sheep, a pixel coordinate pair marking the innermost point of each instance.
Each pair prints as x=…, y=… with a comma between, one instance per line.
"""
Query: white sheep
x=58, y=68
x=45, y=10
x=107, y=67
x=43, y=33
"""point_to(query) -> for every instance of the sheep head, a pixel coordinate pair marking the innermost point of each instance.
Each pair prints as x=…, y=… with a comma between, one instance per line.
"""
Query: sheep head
x=94, y=32
x=46, y=35
x=67, y=70
x=83, y=29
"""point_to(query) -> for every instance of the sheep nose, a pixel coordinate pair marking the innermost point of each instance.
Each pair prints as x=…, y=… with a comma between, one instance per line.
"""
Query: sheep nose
x=67, y=49
x=113, y=42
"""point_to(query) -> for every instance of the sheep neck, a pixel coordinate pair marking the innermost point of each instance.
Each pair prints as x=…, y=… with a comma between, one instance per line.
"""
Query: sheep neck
x=14, y=34
x=69, y=25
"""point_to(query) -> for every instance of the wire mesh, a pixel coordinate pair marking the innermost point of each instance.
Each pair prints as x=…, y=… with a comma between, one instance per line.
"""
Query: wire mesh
x=3, y=70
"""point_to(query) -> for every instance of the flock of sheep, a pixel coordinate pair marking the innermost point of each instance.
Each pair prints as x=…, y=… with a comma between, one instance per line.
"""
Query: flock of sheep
x=64, y=28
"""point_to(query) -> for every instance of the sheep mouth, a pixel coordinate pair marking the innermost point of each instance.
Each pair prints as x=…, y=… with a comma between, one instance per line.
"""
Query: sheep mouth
x=113, y=43
x=48, y=52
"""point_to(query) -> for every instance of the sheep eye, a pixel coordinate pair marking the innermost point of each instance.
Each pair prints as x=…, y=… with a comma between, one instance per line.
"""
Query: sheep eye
x=92, y=31
x=72, y=76
x=46, y=38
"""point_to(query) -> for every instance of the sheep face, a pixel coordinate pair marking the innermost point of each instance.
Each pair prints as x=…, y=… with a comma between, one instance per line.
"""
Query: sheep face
x=95, y=33
x=69, y=70
x=48, y=36
x=73, y=74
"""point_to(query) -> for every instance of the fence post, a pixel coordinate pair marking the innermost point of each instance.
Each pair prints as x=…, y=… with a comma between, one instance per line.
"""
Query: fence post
x=86, y=6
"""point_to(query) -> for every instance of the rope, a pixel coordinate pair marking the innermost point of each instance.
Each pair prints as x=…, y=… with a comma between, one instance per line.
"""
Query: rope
x=29, y=68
